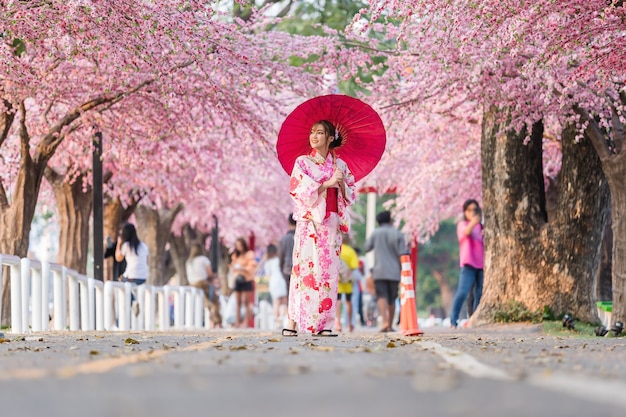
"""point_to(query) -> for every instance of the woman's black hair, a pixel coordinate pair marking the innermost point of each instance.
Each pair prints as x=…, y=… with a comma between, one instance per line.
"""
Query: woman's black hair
x=129, y=234
x=469, y=203
x=330, y=130
x=244, y=245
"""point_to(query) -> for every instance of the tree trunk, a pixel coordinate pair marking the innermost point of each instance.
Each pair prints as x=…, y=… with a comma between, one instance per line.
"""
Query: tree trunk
x=529, y=258
x=179, y=251
x=153, y=227
x=74, y=205
x=446, y=291
x=605, y=285
x=180, y=246
x=16, y=220
x=615, y=170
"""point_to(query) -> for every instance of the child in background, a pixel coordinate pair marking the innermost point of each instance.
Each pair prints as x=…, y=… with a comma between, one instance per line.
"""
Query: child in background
x=277, y=285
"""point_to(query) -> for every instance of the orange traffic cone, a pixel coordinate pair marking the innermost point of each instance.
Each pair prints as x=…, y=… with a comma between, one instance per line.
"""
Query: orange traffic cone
x=408, y=309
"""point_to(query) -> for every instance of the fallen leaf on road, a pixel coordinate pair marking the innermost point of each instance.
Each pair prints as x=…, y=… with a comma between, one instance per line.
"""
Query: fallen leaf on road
x=274, y=340
x=94, y=352
x=324, y=348
x=131, y=341
x=298, y=370
x=391, y=345
x=238, y=348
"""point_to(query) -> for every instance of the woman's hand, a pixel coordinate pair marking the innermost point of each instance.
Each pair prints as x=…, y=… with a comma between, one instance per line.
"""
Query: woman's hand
x=336, y=180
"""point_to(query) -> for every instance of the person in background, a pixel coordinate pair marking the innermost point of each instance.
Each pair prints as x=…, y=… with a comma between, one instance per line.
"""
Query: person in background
x=277, y=285
x=242, y=266
x=200, y=275
x=285, y=251
x=135, y=252
x=118, y=267
x=357, y=289
x=349, y=263
x=388, y=245
x=472, y=258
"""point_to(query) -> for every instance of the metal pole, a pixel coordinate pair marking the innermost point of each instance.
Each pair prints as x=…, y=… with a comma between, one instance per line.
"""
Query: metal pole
x=98, y=219
x=370, y=225
x=215, y=246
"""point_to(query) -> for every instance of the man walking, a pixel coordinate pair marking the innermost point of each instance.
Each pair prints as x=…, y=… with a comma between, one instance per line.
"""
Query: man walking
x=285, y=251
x=388, y=245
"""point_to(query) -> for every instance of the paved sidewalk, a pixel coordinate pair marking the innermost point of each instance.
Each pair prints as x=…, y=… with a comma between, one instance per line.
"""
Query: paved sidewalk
x=500, y=371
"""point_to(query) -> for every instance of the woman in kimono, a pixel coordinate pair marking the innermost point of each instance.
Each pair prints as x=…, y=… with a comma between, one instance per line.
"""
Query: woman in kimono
x=322, y=188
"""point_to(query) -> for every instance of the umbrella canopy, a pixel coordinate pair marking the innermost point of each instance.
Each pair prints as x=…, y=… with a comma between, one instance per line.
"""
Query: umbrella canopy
x=362, y=131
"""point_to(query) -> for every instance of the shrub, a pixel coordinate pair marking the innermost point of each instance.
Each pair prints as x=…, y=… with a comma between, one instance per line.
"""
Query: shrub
x=514, y=311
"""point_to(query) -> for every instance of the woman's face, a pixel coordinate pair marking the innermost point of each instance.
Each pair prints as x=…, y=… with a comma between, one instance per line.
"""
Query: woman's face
x=319, y=139
x=471, y=211
x=239, y=246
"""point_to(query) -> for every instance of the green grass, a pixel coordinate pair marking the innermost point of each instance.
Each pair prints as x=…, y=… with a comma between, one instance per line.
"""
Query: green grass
x=581, y=330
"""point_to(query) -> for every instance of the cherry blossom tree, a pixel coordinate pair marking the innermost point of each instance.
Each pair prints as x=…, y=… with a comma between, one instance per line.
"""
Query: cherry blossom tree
x=150, y=76
x=519, y=64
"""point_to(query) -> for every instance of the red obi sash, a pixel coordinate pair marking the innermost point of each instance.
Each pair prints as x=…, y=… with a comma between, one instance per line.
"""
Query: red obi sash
x=331, y=201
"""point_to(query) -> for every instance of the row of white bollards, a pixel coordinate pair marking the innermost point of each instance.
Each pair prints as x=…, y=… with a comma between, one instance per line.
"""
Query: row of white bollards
x=90, y=304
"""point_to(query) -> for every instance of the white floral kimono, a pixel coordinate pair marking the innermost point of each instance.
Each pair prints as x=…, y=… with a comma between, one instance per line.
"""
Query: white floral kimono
x=317, y=242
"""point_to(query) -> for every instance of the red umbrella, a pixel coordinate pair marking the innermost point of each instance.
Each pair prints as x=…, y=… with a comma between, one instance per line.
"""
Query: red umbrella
x=361, y=129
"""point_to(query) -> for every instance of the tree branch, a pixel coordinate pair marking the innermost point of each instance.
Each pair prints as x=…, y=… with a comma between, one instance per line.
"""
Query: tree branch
x=285, y=9
x=24, y=137
x=618, y=130
x=107, y=176
x=594, y=132
x=44, y=116
x=134, y=202
x=171, y=214
x=6, y=121
x=52, y=176
x=30, y=7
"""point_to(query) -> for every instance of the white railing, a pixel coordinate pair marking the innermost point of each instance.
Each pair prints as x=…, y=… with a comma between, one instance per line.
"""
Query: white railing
x=82, y=303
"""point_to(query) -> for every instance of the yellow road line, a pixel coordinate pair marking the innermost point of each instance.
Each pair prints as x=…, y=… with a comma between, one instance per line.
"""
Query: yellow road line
x=102, y=365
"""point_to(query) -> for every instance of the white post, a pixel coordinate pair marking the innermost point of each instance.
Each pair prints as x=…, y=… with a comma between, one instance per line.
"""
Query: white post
x=99, y=303
x=16, y=298
x=45, y=296
x=36, y=296
x=140, y=300
x=91, y=300
x=150, y=307
x=85, y=306
x=60, y=319
x=108, y=305
x=189, y=299
x=207, y=319
x=124, y=307
x=25, y=267
x=178, y=309
x=199, y=309
x=72, y=283
x=164, y=308
x=370, y=225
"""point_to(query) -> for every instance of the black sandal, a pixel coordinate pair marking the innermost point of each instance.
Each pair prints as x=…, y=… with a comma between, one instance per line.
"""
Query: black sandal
x=326, y=333
x=289, y=333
